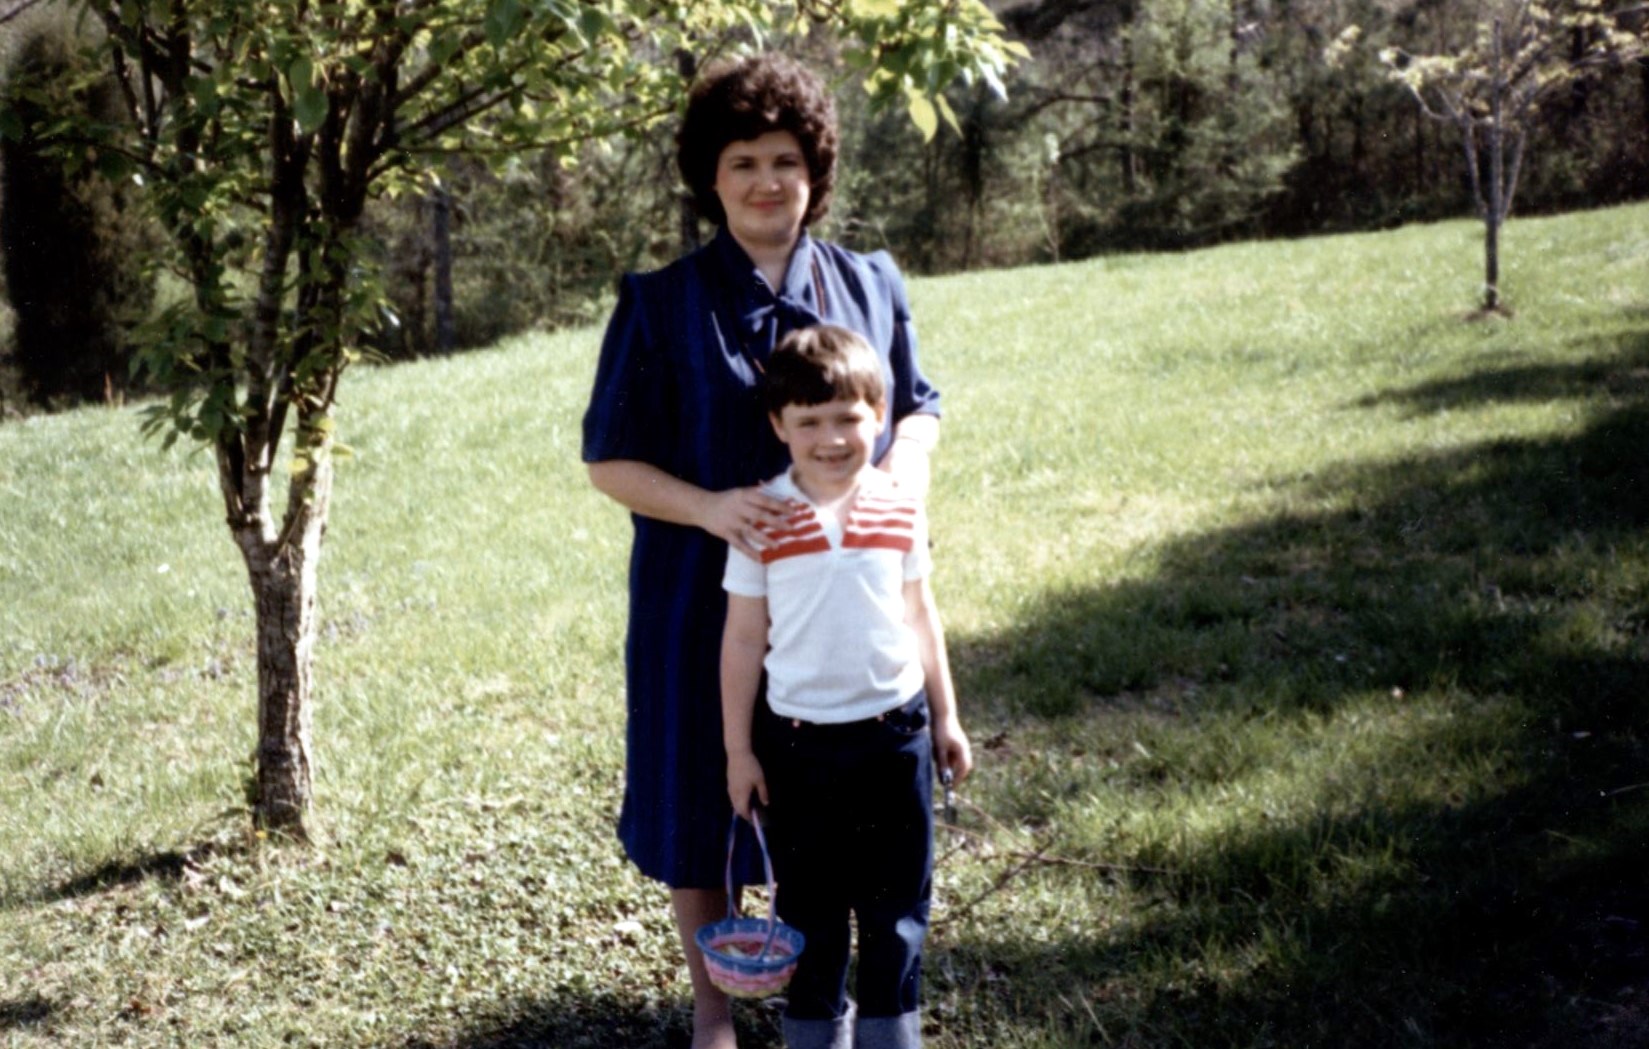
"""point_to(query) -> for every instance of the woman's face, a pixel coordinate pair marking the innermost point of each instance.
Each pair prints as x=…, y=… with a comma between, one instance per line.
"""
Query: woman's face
x=764, y=188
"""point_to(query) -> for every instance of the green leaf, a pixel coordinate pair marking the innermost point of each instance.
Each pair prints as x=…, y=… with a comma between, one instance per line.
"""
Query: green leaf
x=948, y=113
x=301, y=73
x=876, y=8
x=504, y=19
x=308, y=100
x=205, y=90
x=923, y=115
x=593, y=23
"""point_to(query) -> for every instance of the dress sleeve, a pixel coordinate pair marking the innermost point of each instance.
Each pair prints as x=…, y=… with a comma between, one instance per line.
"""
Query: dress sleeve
x=632, y=403
x=912, y=392
x=744, y=576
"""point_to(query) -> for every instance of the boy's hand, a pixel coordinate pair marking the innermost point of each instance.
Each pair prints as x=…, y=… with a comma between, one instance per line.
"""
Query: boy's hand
x=744, y=777
x=951, y=749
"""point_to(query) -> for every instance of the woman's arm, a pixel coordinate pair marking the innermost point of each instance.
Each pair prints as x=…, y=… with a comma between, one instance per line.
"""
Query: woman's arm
x=951, y=749
x=647, y=490
x=914, y=439
x=743, y=647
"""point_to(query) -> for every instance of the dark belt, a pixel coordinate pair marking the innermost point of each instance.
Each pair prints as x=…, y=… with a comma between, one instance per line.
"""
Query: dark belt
x=915, y=704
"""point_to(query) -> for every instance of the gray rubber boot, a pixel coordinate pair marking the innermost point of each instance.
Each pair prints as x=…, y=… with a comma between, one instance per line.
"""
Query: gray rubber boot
x=888, y=1032
x=820, y=1034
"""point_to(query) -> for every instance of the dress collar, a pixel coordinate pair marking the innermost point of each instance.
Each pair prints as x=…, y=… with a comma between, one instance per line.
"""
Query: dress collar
x=798, y=283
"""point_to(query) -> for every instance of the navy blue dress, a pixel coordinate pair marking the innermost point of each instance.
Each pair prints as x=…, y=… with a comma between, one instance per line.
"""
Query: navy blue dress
x=676, y=386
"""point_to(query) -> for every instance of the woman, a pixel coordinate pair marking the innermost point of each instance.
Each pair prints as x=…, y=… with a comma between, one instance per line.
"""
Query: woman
x=676, y=433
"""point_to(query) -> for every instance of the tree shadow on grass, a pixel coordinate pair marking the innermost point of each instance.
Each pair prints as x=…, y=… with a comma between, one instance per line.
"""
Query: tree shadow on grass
x=25, y=1012
x=168, y=865
x=1503, y=592
x=594, y=1020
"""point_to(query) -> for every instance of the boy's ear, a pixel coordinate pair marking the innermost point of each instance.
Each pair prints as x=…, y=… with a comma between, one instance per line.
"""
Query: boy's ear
x=778, y=426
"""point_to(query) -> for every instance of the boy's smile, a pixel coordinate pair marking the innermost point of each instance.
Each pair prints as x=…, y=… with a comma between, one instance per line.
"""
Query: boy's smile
x=829, y=443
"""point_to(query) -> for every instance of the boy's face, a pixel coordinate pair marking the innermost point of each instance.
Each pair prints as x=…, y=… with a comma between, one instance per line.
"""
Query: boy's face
x=831, y=442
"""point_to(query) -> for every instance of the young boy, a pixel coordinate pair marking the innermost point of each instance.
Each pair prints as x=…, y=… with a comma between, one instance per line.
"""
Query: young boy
x=839, y=614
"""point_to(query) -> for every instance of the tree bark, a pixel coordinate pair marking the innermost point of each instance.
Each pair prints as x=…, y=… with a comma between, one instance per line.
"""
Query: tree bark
x=283, y=592
x=445, y=331
x=1128, y=156
x=1495, y=213
x=283, y=577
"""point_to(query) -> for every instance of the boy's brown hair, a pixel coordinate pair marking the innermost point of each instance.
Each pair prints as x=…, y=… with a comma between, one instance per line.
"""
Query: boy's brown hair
x=823, y=363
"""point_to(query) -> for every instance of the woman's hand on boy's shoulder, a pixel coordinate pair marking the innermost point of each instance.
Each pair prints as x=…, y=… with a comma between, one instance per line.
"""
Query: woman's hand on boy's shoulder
x=741, y=517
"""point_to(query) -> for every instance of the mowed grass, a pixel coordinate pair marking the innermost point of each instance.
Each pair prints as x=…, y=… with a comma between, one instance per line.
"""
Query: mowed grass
x=1301, y=620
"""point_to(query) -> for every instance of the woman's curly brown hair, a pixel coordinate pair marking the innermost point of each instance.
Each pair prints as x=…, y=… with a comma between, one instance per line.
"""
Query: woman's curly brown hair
x=738, y=100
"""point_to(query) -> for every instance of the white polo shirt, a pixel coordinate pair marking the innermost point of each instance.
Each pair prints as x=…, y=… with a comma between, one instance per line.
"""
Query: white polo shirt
x=838, y=645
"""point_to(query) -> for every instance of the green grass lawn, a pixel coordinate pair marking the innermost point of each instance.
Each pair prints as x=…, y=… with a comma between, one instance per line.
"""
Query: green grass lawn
x=1301, y=620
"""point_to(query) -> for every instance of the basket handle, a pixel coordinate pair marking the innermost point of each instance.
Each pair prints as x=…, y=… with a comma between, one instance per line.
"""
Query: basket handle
x=767, y=865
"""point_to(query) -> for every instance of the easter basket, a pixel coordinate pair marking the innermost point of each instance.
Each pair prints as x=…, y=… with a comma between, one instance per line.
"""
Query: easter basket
x=750, y=957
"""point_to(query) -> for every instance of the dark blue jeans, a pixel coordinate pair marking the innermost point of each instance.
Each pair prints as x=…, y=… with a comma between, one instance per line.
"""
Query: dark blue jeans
x=850, y=823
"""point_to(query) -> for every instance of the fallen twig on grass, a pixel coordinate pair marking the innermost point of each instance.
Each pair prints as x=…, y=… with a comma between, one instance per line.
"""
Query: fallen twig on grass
x=1060, y=861
x=1623, y=790
x=1026, y=860
x=996, y=886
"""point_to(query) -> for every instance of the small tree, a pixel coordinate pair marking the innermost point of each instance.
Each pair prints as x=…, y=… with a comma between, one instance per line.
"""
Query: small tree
x=262, y=127
x=1523, y=53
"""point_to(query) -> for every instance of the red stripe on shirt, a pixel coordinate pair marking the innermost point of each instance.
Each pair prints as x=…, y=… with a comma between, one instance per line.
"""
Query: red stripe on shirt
x=796, y=548
x=780, y=535
x=879, y=541
x=866, y=522
x=904, y=506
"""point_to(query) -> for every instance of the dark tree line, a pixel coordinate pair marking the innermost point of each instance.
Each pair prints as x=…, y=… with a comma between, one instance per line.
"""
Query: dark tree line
x=1177, y=123
x=71, y=243
x=1138, y=124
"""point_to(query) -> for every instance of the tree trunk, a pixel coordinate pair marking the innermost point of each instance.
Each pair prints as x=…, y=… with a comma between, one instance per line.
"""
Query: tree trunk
x=1495, y=212
x=282, y=572
x=445, y=335
x=1491, y=263
x=1128, y=157
x=975, y=148
x=687, y=211
x=1643, y=74
x=1420, y=184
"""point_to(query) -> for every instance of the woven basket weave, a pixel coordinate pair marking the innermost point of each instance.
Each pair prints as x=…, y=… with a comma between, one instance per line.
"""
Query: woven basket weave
x=750, y=957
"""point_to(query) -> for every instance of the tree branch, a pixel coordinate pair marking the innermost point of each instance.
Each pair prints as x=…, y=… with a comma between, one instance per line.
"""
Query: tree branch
x=16, y=10
x=1519, y=136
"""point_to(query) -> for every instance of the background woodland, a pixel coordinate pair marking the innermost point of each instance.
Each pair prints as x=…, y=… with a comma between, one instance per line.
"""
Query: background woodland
x=1136, y=125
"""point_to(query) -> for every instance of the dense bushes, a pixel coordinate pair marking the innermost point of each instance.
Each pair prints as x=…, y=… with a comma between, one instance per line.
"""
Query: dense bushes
x=72, y=241
x=1144, y=124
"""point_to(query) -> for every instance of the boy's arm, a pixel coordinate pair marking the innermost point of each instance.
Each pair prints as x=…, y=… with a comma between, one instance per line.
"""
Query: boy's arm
x=950, y=744
x=743, y=647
